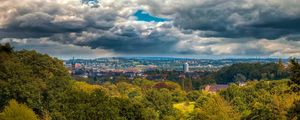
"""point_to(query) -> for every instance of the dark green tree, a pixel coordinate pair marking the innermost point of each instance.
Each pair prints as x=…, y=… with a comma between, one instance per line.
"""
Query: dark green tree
x=6, y=48
x=239, y=78
x=294, y=111
x=295, y=71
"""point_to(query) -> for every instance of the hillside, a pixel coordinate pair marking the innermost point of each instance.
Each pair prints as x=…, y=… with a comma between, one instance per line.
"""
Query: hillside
x=36, y=86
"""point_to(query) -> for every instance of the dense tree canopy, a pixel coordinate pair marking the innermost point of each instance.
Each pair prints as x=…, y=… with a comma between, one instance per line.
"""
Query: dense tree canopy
x=251, y=71
x=294, y=67
x=37, y=86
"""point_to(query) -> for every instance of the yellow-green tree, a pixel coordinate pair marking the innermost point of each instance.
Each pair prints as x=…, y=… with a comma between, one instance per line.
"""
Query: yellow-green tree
x=213, y=107
x=16, y=111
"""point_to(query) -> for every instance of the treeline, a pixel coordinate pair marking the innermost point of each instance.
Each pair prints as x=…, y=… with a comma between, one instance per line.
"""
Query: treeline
x=35, y=86
x=188, y=81
x=243, y=72
x=240, y=72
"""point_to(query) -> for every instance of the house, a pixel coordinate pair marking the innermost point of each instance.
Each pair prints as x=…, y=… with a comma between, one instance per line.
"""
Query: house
x=242, y=84
x=215, y=88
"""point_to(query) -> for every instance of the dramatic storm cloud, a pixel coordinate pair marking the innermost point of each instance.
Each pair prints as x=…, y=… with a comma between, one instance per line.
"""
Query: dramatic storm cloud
x=232, y=18
x=65, y=51
x=92, y=28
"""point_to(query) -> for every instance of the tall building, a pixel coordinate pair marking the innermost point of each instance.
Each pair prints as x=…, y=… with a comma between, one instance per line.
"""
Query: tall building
x=185, y=67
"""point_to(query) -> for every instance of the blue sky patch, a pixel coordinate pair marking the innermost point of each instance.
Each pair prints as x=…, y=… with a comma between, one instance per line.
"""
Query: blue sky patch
x=142, y=15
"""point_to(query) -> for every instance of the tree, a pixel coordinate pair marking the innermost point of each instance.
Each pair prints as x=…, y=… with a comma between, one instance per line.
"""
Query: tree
x=294, y=69
x=6, y=48
x=252, y=71
x=17, y=82
x=213, y=107
x=16, y=111
x=149, y=114
x=239, y=78
x=161, y=101
x=194, y=95
x=5, y=52
x=189, y=85
x=281, y=66
x=294, y=112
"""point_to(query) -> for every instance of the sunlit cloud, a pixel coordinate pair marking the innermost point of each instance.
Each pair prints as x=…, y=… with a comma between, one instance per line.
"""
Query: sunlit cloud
x=143, y=27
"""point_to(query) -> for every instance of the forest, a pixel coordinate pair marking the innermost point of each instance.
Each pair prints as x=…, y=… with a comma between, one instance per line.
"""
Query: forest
x=35, y=86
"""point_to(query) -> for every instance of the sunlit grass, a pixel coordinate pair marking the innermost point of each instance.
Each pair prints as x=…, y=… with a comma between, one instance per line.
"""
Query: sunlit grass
x=85, y=87
x=185, y=107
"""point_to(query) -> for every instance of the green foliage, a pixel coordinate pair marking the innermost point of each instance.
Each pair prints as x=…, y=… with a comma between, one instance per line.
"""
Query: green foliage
x=143, y=83
x=294, y=111
x=45, y=86
x=239, y=78
x=185, y=107
x=161, y=101
x=187, y=84
x=213, y=107
x=6, y=48
x=294, y=68
x=85, y=87
x=80, y=105
x=295, y=71
x=194, y=95
x=16, y=111
x=261, y=100
x=149, y=113
x=127, y=90
x=251, y=71
x=32, y=78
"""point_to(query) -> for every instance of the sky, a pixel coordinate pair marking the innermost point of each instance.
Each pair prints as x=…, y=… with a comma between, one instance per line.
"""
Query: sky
x=177, y=28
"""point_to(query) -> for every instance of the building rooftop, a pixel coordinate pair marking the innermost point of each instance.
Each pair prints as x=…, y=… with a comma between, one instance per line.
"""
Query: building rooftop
x=215, y=88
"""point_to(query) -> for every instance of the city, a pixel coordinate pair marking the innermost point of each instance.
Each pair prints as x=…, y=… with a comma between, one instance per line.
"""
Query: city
x=101, y=70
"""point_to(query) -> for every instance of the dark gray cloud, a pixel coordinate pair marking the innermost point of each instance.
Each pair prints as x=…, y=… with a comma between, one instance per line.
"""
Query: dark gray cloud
x=195, y=27
x=36, y=18
x=269, y=19
x=155, y=43
x=44, y=45
x=126, y=39
x=295, y=37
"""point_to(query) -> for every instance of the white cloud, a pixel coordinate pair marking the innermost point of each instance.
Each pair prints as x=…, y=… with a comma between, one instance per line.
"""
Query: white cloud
x=197, y=27
x=44, y=45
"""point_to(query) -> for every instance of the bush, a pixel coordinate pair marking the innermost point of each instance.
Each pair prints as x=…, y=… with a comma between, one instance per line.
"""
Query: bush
x=16, y=111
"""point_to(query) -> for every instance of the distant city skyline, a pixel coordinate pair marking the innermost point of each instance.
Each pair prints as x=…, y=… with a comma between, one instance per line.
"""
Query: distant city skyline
x=172, y=56
x=212, y=29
